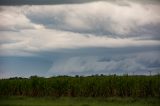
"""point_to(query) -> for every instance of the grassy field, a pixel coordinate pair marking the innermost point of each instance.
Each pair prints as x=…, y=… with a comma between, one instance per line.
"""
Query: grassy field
x=66, y=101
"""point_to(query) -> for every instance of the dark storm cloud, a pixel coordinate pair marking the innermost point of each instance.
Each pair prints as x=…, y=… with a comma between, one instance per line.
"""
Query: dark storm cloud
x=41, y=2
x=99, y=51
x=52, y=2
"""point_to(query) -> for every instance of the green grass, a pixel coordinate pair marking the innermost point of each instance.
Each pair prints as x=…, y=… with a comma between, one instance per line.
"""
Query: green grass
x=77, y=101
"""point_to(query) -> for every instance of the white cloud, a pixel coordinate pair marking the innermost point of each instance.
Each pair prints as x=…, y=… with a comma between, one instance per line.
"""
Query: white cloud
x=50, y=40
x=99, y=16
x=14, y=19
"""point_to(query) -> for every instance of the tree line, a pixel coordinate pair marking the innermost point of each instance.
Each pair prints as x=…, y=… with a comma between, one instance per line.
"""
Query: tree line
x=79, y=86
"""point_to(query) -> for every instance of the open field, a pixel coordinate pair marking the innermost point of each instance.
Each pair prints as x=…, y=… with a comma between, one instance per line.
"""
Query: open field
x=78, y=101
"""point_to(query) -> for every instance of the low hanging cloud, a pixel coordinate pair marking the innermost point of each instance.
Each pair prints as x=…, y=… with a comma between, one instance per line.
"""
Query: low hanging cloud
x=137, y=63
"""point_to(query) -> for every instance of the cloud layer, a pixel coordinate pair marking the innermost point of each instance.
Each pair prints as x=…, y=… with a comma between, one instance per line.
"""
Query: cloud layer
x=89, y=38
x=78, y=25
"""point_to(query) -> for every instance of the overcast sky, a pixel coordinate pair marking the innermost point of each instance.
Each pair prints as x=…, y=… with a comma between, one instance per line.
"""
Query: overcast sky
x=79, y=37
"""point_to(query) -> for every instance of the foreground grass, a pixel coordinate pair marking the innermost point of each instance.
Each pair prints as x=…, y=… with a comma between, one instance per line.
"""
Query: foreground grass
x=78, y=101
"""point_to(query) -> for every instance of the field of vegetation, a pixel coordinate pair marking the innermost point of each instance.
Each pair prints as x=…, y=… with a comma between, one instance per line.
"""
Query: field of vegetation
x=76, y=101
x=97, y=90
x=78, y=86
